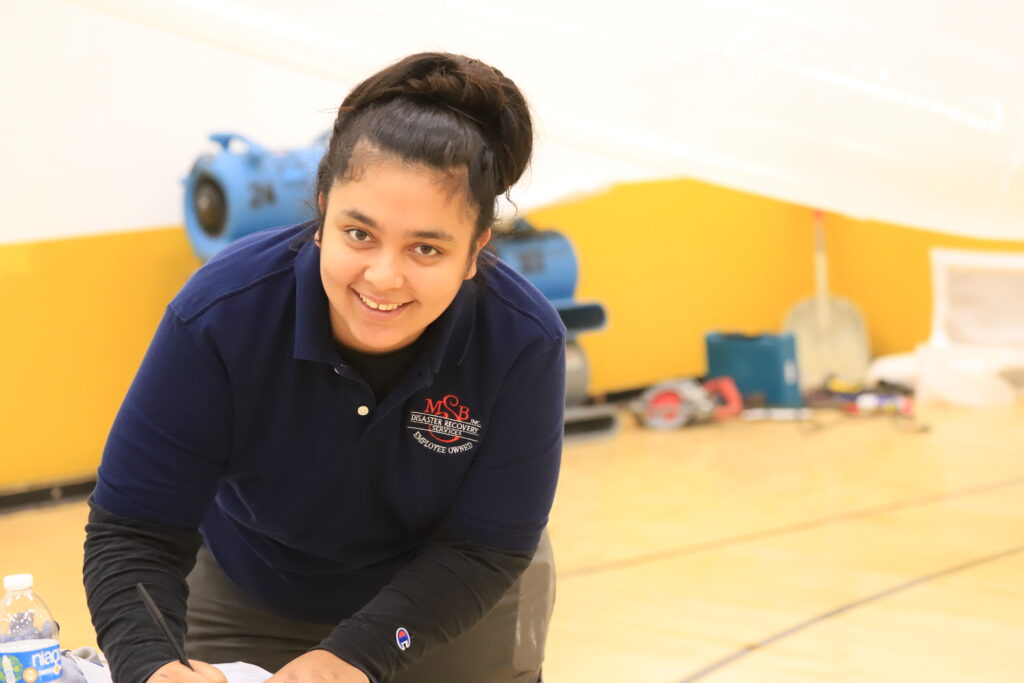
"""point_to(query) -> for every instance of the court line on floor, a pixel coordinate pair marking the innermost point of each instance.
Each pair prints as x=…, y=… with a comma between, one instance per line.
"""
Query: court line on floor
x=774, y=532
x=807, y=623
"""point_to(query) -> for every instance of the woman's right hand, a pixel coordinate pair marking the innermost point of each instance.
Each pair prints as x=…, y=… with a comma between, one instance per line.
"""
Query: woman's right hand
x=176, y=672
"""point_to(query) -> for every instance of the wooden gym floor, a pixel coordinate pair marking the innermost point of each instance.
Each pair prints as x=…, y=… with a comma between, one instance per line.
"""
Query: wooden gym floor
x=859, y=551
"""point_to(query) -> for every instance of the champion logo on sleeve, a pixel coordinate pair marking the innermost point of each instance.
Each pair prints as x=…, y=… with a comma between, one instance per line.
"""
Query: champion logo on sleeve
x=403, y=638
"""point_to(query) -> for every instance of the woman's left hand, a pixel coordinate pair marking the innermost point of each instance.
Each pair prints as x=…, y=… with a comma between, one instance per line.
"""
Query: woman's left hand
x=318, y=666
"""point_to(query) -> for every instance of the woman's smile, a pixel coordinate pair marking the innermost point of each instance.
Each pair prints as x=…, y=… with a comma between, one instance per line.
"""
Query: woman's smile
x=380, y=309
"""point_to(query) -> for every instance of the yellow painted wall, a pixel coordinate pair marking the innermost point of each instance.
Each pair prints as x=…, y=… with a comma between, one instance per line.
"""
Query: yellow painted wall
x=78, y=315
x=670, y=260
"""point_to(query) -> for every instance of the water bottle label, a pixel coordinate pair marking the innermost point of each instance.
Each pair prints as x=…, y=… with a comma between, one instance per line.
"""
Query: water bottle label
x=36, y=661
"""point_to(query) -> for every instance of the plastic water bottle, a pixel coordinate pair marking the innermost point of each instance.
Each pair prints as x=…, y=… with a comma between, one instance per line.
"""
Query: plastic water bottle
x=29, y=651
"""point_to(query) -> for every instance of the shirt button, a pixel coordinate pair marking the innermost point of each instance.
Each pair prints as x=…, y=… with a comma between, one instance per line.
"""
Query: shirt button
x=363, y=410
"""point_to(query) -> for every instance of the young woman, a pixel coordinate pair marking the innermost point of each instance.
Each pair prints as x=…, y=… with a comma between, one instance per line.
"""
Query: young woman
x=338, y=456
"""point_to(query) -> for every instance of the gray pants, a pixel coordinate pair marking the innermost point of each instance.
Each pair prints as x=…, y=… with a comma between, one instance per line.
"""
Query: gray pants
x=506, y=646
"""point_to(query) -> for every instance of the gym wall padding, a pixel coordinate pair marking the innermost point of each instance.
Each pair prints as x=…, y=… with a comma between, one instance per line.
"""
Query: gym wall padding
x=78, y=315
x=669, y=260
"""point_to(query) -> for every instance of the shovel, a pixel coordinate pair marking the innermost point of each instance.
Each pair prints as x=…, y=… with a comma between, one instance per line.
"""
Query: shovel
x=831, y=339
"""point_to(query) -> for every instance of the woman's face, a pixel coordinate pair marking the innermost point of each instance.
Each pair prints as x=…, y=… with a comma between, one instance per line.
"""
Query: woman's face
x=396, y=246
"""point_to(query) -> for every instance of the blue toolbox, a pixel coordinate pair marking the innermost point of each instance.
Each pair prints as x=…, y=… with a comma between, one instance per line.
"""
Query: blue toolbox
x=763, y=366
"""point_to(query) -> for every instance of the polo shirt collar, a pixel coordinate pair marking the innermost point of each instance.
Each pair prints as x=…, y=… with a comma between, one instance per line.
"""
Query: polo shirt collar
x=446, y=339
x=313, y=338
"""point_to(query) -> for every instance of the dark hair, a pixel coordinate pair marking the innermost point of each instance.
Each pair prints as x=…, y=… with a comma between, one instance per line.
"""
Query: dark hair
x=444, y=111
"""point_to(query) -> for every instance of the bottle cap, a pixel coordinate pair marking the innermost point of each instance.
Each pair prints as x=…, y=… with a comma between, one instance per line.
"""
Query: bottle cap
x=17, y=582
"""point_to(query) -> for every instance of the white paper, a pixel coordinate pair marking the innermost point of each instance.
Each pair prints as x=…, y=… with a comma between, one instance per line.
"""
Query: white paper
x=241, y=672
x=94, y=673
x=235, y=672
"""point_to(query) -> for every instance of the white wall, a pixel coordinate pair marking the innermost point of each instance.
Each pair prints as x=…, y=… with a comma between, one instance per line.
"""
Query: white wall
x=109, y=113
x=898, y=110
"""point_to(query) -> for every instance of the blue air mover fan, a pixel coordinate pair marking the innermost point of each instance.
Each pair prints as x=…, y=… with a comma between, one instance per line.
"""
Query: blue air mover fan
x=235, y=192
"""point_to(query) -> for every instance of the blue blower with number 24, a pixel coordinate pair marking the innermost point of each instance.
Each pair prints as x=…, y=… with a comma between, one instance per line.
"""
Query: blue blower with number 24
x=244, y=188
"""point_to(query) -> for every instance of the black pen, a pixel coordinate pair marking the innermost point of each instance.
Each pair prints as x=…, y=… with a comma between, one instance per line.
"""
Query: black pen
x=154, y=612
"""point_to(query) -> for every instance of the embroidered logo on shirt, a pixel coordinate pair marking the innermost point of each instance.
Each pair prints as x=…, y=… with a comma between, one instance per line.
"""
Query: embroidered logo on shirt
x=444, y=426
x=403, y=639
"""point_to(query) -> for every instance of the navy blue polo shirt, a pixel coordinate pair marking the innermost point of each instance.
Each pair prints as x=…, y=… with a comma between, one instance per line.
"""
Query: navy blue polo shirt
x=243, y=420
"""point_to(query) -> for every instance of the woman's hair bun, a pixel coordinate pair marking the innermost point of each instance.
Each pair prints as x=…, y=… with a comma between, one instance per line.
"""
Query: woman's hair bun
x=441, y=110
x=469, y=88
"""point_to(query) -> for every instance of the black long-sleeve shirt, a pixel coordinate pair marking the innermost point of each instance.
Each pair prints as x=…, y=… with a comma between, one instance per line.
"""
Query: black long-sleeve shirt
x=445, y=589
